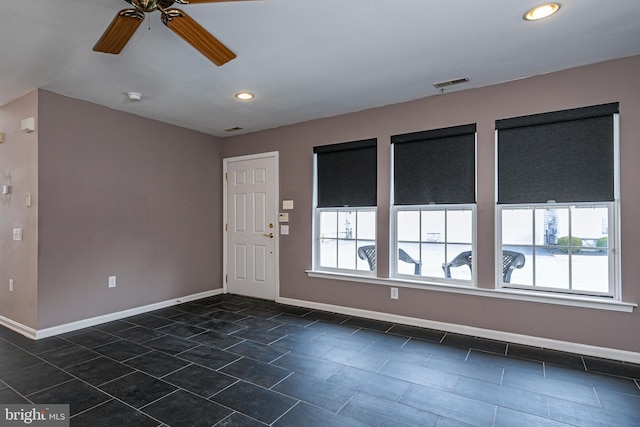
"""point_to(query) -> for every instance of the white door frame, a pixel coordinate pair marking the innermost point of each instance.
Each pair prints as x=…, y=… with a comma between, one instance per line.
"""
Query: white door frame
x=276, y=250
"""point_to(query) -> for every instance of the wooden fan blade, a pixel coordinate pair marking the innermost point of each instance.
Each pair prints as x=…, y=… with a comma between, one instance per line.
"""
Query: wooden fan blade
x=119, y=31
x=191, y=32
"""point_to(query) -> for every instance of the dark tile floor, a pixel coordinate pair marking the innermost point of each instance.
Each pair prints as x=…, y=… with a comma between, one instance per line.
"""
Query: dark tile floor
x=235, y=361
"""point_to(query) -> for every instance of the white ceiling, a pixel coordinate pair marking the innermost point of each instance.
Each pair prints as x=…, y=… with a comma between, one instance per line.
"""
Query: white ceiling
x=303, y=59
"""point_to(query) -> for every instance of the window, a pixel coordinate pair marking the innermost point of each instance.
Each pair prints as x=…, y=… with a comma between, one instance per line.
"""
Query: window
x=432, y=235
x=557, y=199
x=564, y=246
x=345, y=213
x=342, y=233
x=434, y=194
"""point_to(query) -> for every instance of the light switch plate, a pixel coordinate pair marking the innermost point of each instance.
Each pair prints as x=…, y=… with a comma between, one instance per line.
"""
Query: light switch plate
x=284, y=230
x=283, y=217
x=287, y=204
x=17, y=234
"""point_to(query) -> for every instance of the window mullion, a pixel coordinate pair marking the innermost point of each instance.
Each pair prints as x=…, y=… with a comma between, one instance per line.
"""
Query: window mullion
x=355, y=238
x=420, y=236
x=337, y=238
x=533, y=246
x=570, y=248
x=446, y=236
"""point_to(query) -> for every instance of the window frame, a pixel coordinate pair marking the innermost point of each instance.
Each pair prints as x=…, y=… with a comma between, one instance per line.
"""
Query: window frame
x=394, y=262
x=318, y=240
x=612, y=249
x=613, y=235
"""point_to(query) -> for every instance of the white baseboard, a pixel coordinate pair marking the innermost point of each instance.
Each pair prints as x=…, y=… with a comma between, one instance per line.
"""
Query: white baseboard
x=571, y=347
x=18, y=327
x=85, y=323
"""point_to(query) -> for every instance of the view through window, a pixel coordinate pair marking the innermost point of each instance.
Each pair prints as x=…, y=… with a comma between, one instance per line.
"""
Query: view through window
x=342, y=233
x=434, y=236
x=566, y=247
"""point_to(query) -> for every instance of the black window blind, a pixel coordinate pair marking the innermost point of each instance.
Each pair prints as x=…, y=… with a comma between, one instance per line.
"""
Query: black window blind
x=435, y=166
x=564, y=156
x=347, y=174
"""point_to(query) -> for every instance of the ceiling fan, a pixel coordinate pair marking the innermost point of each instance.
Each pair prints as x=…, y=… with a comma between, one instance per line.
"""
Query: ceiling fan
x=126, y=23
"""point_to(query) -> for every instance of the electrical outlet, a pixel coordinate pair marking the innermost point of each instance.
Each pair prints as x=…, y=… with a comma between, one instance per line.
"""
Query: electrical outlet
x=394, y=293
x=112, y=281
x=10, y=285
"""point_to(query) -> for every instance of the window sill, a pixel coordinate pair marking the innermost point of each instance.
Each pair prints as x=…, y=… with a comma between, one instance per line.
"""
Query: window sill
x=600, y=303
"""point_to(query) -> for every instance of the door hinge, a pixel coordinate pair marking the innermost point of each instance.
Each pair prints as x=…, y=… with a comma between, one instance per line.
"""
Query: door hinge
x=226, y=278
x=226, y=176
x=226, y=227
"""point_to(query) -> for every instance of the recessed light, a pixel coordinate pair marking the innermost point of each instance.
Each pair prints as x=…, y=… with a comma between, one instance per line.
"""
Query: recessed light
x=541, y=12
x=244, y=95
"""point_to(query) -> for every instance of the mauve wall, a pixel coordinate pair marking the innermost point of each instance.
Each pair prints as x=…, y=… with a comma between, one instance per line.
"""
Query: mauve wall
x=126, y=196
x=19, y=169
x=595, y=84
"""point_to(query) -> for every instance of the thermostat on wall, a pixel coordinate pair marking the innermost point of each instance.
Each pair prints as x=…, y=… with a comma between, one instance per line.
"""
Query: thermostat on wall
x=283, y=217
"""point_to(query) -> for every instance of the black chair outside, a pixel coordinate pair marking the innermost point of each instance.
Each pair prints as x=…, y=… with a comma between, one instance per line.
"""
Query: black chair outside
x=369, y=253
x=510, y=261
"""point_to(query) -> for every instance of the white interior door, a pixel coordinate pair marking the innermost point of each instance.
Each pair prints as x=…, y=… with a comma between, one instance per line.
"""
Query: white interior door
x=251, y=227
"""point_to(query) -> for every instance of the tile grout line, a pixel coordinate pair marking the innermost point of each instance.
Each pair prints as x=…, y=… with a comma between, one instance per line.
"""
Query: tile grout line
x=160, y=398
x=286, y=412
x=281, y=381
x=495, y=416
x=597, y=397
x=224, y=389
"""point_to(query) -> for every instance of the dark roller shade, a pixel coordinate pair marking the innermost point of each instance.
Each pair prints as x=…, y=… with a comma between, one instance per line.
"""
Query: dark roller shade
x=347, y=174
x=566, y=156
x=435, y=166
x=593, y=111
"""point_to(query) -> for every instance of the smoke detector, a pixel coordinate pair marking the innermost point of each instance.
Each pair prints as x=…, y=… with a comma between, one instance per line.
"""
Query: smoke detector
x=134, y=96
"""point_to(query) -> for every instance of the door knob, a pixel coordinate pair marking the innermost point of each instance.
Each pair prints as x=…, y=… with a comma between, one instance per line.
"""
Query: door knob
x=270, y=235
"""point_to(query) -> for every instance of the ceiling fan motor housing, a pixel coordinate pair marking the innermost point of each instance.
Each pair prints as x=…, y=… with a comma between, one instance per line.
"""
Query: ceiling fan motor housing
x=151, y=5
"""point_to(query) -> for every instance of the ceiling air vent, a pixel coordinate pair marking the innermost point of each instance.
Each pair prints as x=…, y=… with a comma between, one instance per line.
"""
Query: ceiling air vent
x=233, y=129
x=442, y=85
